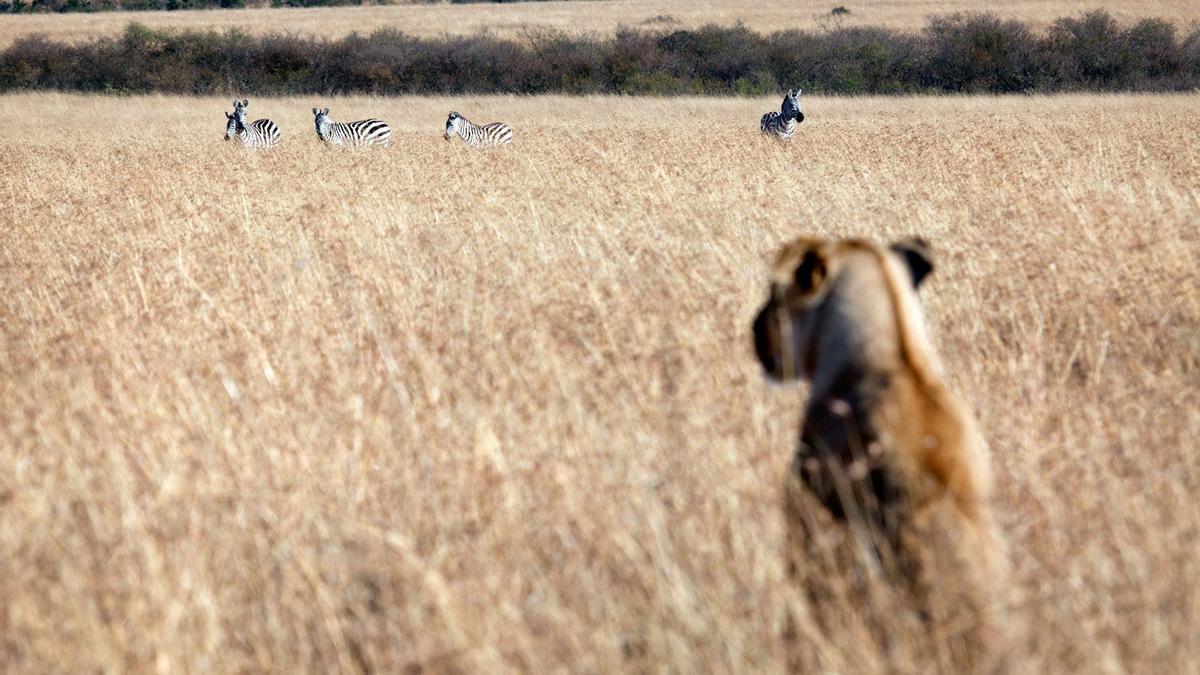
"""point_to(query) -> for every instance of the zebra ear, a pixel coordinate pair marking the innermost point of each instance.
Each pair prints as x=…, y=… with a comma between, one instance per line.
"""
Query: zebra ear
x=326, y=111
x=314, y=111
x=245, y=102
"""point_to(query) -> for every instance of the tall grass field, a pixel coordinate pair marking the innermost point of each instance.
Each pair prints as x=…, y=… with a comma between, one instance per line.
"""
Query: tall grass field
x=425, y=409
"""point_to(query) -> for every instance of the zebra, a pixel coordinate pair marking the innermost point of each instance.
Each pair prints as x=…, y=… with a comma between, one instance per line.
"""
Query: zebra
x=486, y=136
x=360, y=133
x=782, y=124
x=258, y=134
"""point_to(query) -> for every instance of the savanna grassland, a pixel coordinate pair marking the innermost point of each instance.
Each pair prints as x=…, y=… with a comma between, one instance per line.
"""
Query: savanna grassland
x=431, y=410
x=574, y=17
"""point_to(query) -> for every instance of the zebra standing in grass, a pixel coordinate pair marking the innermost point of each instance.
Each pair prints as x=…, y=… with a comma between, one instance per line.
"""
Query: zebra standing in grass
x=360, y=133
x=782, y=124
x=258, y=134
x=486, y=136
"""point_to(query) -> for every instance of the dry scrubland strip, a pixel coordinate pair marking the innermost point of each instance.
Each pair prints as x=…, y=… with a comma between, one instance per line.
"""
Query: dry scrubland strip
x=428, y=407
x=600, y=16
x=1149, y=55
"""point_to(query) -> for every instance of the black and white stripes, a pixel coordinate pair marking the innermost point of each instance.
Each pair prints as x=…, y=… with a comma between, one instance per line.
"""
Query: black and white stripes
x=486, y=136
x=782, y=124
x=371, y=132
x=258, y=134
x=361, y=133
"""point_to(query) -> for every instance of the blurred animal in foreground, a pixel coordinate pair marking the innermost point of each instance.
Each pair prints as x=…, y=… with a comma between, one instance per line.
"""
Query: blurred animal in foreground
x=886, y=500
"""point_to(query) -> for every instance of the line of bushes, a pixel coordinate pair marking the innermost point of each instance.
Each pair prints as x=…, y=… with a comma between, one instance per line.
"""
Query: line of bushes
x=957, y=53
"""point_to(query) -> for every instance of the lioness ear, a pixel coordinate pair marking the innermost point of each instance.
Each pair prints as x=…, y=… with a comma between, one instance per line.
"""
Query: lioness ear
x=917, y=257
x=810, y=272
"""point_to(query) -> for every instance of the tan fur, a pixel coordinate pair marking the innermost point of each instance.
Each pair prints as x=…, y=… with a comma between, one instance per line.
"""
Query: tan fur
x=890, y=467
x=925, y=420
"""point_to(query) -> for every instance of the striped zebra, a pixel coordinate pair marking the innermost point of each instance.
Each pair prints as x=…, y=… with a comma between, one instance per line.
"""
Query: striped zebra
x=782, y=124
x=486, y=136
x=361, y=133
x=258, y=134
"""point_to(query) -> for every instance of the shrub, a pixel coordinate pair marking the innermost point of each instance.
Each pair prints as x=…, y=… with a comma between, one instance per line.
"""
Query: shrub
x=979, y=52
x=1189, y=55
x=1153, y=48
x=1090, y=52
x=716, y=57
x=629, y=57
x=845, y=60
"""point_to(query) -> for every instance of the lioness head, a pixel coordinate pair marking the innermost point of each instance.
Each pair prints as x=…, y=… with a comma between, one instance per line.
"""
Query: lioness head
x=789, y=323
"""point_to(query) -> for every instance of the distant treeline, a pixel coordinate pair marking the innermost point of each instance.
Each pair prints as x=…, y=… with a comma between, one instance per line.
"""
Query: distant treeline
x=958, y=53
x=16, y=6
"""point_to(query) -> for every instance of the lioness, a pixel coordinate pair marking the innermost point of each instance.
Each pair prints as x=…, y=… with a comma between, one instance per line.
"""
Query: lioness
x=890, y=475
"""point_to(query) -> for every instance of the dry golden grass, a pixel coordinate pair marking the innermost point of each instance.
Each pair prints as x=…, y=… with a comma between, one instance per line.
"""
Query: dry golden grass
x=426, y=408
x=572, y=16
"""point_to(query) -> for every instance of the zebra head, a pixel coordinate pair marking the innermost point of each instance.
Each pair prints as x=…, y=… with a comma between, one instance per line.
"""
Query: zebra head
x=236, y=120
x=791, y=109
x=239, y=110
x=452, y=123
x=322, y=121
